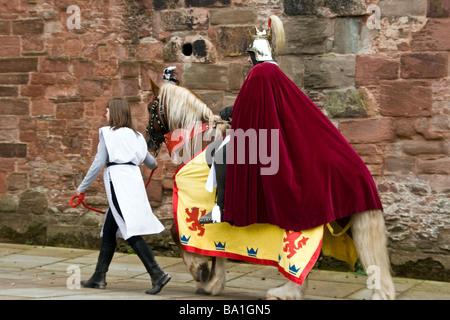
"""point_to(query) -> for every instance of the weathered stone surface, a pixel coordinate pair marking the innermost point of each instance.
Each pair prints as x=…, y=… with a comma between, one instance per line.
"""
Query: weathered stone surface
x=306, y=35
x=14, y=78
x=424, y=65
x=213, y=76
x=294, y=68
x=344, y=103
x=232, y=40
x=191, y=48
x=18, y=65
x=346, y=35
x=367, y=130
x=399, y=165
x=31, y=26
x=13, y=150
x=433, y=37
x=330, y=71
x=165, y=4
x=191, y=19
x=31, y=201
x=400, y=8
x=438, y=9
x=433, y=165
x=410, y=98
x=207, y=3
x=313, y=7
x=10, y=46
x=232, y=16
x=371, y=68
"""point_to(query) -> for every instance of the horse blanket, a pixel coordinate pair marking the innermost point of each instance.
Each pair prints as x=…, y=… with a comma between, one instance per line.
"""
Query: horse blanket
x=293, y=253
x=313, y=175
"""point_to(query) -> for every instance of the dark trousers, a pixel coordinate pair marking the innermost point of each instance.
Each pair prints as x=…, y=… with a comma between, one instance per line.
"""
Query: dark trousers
x=110, y=227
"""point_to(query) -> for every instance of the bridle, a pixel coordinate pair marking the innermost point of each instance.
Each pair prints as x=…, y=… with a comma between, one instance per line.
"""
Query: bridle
x=156, y=139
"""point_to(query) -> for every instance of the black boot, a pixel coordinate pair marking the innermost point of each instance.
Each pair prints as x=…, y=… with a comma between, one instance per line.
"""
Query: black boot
x=158, y=276
x=98, y=279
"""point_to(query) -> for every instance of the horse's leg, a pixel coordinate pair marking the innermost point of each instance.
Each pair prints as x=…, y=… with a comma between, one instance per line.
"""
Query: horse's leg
x=289, y=291
x=216, y=284
x=197, y=264
x=369, y=236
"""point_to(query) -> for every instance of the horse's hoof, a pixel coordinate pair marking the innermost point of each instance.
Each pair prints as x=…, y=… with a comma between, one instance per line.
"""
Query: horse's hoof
x=203, y=273
x=202, y=292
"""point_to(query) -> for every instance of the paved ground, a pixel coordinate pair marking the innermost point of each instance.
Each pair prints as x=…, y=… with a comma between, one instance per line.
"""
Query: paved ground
x=36, y=272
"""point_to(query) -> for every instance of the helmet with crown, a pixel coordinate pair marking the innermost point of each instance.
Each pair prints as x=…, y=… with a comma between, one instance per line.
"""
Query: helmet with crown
x=266, y=43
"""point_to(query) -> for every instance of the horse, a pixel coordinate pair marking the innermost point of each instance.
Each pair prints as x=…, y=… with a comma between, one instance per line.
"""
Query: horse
x=175, y=107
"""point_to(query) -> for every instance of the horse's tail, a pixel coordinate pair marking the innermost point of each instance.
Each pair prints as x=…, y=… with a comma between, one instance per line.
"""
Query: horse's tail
x=369, y=236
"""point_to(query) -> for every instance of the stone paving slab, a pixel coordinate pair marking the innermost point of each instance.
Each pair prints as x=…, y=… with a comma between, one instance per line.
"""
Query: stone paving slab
x=40, y=273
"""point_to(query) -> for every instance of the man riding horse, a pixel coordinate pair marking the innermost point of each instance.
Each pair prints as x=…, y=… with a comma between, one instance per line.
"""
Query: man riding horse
x=320, y=178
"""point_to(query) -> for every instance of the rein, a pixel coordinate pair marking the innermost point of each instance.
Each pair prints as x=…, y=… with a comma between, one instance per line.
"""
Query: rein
x=80, y=198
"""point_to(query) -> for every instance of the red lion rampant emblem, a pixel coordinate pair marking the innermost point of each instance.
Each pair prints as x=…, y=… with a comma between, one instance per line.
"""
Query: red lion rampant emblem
x=193, y=215
x=291, y=238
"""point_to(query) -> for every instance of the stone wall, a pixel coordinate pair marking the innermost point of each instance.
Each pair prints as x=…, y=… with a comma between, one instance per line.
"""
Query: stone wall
x=386, y=89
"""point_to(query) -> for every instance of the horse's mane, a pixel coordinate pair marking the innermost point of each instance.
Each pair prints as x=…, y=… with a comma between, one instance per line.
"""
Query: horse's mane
x=184, y=109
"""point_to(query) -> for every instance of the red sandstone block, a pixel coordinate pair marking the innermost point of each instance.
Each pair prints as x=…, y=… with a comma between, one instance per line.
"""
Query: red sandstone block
x=128, y=69
x=69, y=111
x=29, y=26
x=14, y=78
x=9, y=46
x=125, y=87
x=371, y=68
x=433, y=165
x=73, y=47
x=33, y=91
x=6, y=91
x=54, y=65
x=438, y=9
x=18, y=65
x=150, y=51
x=367, y=130
x=424, y=65
x=411, y=98
x=5, y=27
x=2, y=182
x=42, y=107
x=43, y=78
x=33, y=42
x=13, y=150
x=83, y=69
x=396, y=165
x=7, y=165
x=90, y=88
x=433, y=37
x=15, y=107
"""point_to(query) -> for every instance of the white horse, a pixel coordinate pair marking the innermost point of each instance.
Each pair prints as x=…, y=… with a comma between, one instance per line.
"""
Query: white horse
x=176, y=107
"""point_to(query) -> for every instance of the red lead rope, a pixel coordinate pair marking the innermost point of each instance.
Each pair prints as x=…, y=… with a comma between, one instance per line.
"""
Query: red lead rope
x=80, y=198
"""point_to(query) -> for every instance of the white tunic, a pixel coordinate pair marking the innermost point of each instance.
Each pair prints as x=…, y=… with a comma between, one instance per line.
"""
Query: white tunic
x=124, y=145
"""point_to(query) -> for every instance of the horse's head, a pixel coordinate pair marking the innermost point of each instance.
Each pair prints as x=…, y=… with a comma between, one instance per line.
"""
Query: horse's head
x=175, y=107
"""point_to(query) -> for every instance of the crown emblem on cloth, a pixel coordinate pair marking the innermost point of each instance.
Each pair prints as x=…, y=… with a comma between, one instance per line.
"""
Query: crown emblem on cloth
x=220, y=246
x=184, y=240
x=251, y=252
x=293, y=270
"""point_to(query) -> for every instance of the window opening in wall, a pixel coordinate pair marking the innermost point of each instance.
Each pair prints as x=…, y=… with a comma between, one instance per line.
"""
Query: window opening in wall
x=187, y=49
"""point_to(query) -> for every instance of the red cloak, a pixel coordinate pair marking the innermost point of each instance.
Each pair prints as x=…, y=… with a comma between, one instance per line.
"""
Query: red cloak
x=320, y=177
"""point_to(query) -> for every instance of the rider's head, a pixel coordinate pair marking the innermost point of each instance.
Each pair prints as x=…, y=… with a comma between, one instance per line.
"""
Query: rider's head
x=265, y=43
